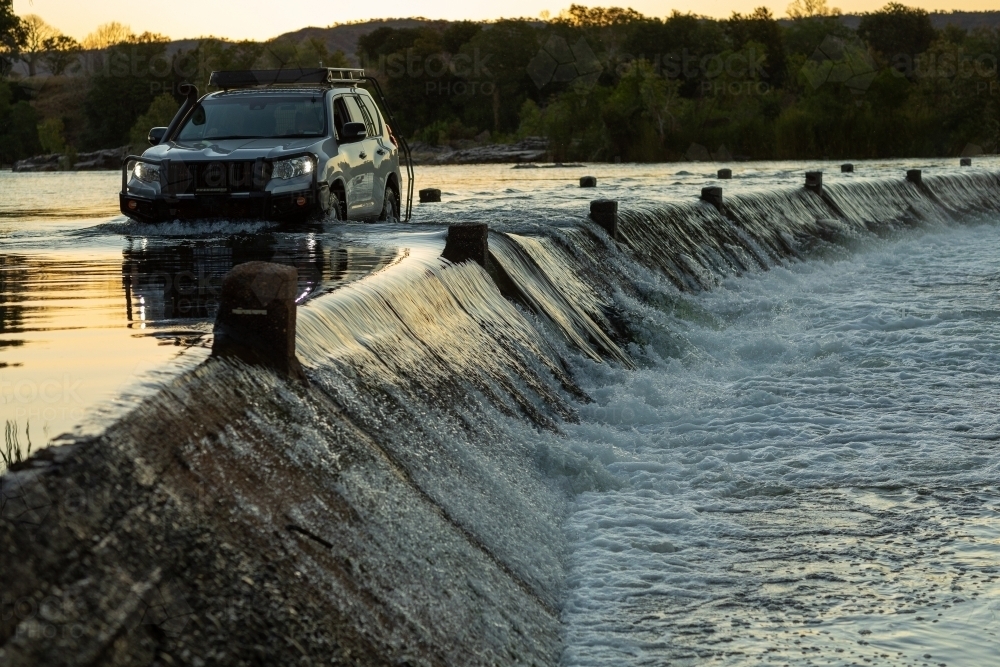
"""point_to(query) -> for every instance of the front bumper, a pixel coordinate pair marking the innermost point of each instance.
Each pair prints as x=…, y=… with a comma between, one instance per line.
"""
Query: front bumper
x=181, y=200
x=258, y=206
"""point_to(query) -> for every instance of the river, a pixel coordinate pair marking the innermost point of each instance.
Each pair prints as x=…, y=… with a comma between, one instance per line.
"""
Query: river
x=794, y=466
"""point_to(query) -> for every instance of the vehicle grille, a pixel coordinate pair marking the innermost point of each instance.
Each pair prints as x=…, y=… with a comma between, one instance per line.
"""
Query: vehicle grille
x=217, y=177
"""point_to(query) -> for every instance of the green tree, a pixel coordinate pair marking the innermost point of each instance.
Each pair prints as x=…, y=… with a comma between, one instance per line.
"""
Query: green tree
x=60, y=54
x=572, y=122
x=197, y=64
x=805, y=35
x=801, y=9
x=281, y=53
x=18, y=128
x=599, y=17
x=123, y=90
x=499, y=57
x=312, y=52
x=417, y=74
x=50, y=135
x=898, y=33
x=160, y=113
x=12, y=36
x=36, y=33
x=678, y=46
x=761, y=27
x=107, y=35
x=459, y=33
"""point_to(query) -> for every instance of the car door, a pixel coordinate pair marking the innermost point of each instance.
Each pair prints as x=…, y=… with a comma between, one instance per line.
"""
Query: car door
x=381, y=151
x=347, y=154
x=361, y=187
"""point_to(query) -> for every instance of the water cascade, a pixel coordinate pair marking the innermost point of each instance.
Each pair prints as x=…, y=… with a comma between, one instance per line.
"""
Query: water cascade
x=404, y=505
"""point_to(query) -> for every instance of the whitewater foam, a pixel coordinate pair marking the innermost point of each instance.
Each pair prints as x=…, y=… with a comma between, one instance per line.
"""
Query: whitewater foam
x=817, y=484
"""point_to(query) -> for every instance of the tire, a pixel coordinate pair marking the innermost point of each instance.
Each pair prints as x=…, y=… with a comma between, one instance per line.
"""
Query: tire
x=390, y=206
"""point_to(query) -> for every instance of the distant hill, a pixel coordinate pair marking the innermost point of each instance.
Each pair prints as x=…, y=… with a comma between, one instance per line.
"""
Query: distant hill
x=345, y=37
x=965, y=20
x=337, y=38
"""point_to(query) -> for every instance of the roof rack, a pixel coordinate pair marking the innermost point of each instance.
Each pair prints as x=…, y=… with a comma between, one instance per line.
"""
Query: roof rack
x=316, y=76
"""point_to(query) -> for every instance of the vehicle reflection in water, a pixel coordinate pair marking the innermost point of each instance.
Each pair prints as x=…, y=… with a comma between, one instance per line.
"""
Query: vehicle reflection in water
x=81, y=324
x=167, y=279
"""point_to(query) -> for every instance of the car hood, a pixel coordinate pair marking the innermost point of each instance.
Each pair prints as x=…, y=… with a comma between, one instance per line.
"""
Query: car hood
x=234, y=149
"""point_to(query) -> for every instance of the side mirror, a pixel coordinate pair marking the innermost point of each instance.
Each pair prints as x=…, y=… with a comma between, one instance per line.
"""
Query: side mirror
x=156, y=135
x=353, y=132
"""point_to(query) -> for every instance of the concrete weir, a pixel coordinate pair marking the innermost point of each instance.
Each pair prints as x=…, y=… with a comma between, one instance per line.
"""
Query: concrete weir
x=430, y=195
x=713, y=195
x=203, y=526
x=239, y=517
x=467, y=242
x=405, y=505
x=605, y=213
x=814, y=181
x=256, y=320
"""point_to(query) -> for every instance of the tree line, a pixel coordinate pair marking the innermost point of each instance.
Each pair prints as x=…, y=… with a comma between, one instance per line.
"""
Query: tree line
x=601, y=84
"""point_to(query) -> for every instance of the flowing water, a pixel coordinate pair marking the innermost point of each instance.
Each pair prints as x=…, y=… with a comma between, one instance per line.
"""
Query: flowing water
x=764, y=437
x=814, y=480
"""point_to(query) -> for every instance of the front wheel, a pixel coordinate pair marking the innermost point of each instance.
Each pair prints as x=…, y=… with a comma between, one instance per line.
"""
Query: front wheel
x=390, y=206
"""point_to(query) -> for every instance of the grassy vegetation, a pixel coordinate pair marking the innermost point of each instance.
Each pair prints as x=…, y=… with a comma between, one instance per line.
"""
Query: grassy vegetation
x=13, y=452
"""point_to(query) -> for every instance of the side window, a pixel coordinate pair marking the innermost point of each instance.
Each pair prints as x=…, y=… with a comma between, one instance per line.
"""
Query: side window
x=340, y=115
x=368, y=105
x=354, y=111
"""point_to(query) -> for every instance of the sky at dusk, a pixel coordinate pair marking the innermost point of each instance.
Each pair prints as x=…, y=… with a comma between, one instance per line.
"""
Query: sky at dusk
x=262, y=19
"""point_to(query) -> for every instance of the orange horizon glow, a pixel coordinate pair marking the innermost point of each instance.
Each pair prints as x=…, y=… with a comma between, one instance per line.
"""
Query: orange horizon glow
x=265, y=19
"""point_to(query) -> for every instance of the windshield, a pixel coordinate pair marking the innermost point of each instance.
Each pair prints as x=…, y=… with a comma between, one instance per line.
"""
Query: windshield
x=256, y=117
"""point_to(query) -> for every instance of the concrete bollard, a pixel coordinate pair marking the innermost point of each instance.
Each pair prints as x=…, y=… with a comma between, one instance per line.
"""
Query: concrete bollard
x=713, y=195
x=814, y=181
x=725, y=174
x=847, y=168
x=914, y=176
x=466, y=242
x=256, y=319
x=588, y=182
x=605, y=213
x=430, y=195
x=965, y=162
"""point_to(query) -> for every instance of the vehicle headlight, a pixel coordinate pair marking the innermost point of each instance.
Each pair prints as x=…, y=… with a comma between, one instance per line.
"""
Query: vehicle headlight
x=297, y=166
x=148, y=173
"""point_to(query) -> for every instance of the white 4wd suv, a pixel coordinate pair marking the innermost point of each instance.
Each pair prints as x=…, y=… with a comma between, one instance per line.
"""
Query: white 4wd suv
x=273, y=144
